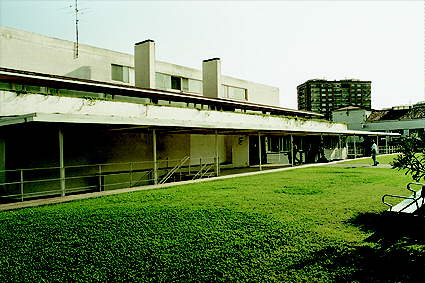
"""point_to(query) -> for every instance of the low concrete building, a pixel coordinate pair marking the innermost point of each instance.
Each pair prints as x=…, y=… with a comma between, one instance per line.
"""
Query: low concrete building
x=400, y=119
x=61, y=134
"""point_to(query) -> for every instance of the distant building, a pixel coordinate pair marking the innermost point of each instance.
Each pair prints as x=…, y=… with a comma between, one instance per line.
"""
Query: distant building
x=404, y=120
x=324, y=96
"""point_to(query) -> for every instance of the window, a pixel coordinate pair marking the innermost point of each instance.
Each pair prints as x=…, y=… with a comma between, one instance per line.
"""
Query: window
x=176, y=83
x=195, y=86
x=233, y=92
x=162, y=81
x=119, y=73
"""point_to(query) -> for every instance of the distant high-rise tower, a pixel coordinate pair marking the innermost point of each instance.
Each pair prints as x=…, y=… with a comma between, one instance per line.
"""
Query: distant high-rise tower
x=324, y=96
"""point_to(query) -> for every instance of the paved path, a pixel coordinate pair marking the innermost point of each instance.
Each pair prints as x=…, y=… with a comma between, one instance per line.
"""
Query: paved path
x=38, y=202
x=366, y=165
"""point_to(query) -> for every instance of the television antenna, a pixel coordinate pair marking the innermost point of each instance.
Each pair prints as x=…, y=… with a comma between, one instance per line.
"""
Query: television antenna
x=77, y=12
x=76, y=30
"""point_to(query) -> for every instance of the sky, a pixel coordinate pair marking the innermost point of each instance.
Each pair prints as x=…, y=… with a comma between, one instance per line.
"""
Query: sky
x=278, y=43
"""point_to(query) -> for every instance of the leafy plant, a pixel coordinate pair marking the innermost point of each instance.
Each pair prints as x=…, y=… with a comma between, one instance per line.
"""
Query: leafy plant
x=412, y=157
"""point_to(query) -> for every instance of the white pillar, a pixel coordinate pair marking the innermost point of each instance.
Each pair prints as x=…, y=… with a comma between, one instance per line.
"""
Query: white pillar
x=61, y=163
x=155, y=164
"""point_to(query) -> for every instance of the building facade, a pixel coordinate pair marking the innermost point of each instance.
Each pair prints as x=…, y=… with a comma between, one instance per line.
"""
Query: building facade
x=102, y=121
x=323, y=96
x=43, y=54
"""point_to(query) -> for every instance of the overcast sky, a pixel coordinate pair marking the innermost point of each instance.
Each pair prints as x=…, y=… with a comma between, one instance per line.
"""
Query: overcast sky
x=279, y=43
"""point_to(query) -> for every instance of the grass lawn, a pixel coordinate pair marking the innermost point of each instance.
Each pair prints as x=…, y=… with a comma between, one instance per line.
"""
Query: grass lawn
x=315, y=224
x=383, y=159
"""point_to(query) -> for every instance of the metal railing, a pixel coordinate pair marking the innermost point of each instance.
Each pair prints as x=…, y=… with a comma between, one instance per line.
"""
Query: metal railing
x=174, y=170
x=31, y=183
x=415, y=197
x=388, y=149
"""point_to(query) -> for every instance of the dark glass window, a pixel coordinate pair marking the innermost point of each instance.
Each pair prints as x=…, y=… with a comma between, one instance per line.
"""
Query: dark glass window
x=176, y=83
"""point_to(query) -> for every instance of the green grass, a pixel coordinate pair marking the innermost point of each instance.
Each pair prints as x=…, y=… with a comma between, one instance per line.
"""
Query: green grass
x=383, y=159
x=315, y=224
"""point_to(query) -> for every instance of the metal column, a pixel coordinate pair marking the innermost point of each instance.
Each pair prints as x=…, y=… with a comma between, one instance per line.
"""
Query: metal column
x=259, y=151
x=292, y=150
x=155, y=164
x=339, y=146
x=61, y=163
x=355, y=149
x=217, y=164
x=386, y=144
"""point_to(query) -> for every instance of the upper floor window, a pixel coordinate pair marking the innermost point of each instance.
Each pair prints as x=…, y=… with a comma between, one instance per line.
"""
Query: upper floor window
x=165, y=81
x=234, y=92
x=120, y=73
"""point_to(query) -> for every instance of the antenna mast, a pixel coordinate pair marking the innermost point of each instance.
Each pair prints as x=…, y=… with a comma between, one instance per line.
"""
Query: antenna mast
x=76, y=31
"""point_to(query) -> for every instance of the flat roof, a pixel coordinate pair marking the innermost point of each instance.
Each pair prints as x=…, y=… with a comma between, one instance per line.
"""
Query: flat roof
x=61, y=82
x=126, y=123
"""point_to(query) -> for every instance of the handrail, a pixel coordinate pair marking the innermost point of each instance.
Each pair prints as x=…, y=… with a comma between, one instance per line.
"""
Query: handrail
x=199, y=172
x=394, y=196
x=175, y=168
x=414, y=183
x=140, y=179
x=206, y=170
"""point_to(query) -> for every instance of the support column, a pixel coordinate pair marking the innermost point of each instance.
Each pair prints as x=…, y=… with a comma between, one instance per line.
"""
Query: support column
x=339, y=147
x=155, y=164
x=355, y=149
x=259, y=151
x=2, y=160
x=217, y=163
x=292, y=150
x=61, y=163
x=301, y=150
x=386, y=144
x=377, y=143
x=346, y=145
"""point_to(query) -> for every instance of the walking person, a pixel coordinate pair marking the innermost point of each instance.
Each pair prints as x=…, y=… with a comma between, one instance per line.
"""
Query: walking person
x=374, y=153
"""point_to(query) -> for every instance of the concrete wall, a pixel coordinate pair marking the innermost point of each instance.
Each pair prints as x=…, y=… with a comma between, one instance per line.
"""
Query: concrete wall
x=80, y=110
x=353, y=118
x=392, y=125
x=33, y=52
x=173, y=146
x=240, y=151
x=203, y=146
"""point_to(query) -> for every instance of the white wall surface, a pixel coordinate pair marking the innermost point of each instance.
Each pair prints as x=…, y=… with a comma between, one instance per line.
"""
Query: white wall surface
x=240, y=151
x=110, y=112
x=33, y=52
x=353, y=118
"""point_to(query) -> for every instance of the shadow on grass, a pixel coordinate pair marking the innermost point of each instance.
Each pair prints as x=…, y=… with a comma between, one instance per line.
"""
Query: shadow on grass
x=395, y=252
